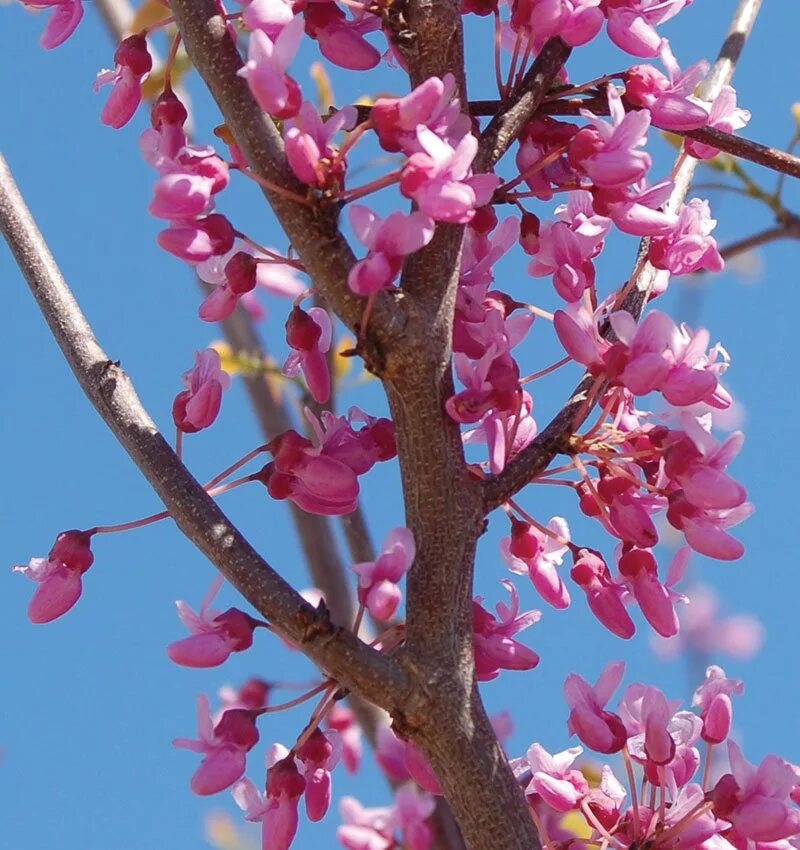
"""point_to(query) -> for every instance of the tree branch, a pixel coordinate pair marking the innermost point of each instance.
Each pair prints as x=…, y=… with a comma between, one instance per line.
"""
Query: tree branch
x=510, y=119
x=334, y=648
x=555, y=438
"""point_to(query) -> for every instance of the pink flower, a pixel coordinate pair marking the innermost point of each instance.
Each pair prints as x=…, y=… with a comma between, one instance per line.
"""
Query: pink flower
x=575, y=21
x=341, y=40
x=669, y=99
x=133, y=63
x=431, y=103
x=608, y=152
x=198, y=405
x=714, y=699
x=530, y=551
x=637, y=209
x=265, y=70
x=198, y=240
x=632, y=23
x=59, y=575
x=224, y=747
x=342, y=720
x=689, y=247
x=439, y=178
x=599, y=729
x=390, y=754
x=604, y=595
x=497, y=429
x=725, y=116
x=647, y=715
x=756, y=800
x=553, y=778
x=705, y=529
x=493, y=641
x=317, y=757
x=214, y=635
x=544, y=137
x=309, y=149
x=63, y=21
x=365, y=829
x=377, y=580
x=412, y=809
x=309, y=334
x=388, y=241
x=640, y=570
x=188, y=182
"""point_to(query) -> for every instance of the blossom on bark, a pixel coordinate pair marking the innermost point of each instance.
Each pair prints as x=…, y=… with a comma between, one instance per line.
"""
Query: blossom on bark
x=378, y=580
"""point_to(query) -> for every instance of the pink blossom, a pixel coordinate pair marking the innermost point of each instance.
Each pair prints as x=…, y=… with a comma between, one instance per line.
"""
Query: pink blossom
x=575, y=21
x=62, y=23
x=419, y=768
x=530, y=551
x=309, y=148
x=632, y=23
x=188, y=183
x=577, y=331
x=198, y=240
x=439, y=178
x=756, y=800
x=163, y=142
x=599, y=729
x=670, y=100
x=640, y=570
x=253, y=694
x=271, y=16
x=388, y=241
x=689, y=247
x=637, y=209
x=497, y=429
x=725, y=116
x=309, y=335
x=224, y=746
x=493, y=641
x=214, y=635
x=365, y=829
x=542, y=138
x=491, y=383
x=133, y=62
x=705, y=529
x=265, y=70
x=390, y=753
x=554, y=779
x=607, y=152
x=412, y=809
x=59, y=575
x=604, y=595
x=285, y=785
x=316, y=757
x=377, y=580
x=431, y=103
x=341, y=40
x=647, y=713
x=198, y=405
x=714, y=699
x=342, y=720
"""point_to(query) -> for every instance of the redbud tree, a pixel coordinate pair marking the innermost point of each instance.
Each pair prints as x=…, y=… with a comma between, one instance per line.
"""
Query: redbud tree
x=391, y=213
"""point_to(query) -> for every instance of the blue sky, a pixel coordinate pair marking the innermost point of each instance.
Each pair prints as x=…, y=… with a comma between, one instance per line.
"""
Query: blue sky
x=90, y=703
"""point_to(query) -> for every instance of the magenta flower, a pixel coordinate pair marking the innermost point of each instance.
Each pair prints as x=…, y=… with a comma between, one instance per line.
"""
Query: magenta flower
x=632, y=23
x=431, y=103
x=63, y=21
x=607, y=152
x=599, y=729
x=268, y=15
x=554, y=779
x=377, y=580
x=198, y=405
x=604, y=595
x=716, y=707
x=670, y=100
x=440, y=181
x=224, y=746
x=309, y=335
x=493, y=641
x=188, y=183
x=640, y=570
x=309, y=149
x=756, y=800
x=59, y=575
x=387, y=241
x=341, y=40
x=133, y=62
x=317, y=757
x=637, y=209
x=214, y=635
x=689, y=247
x=365, y=829
x=529, y=551
x=199, y=240
x=265, y=70
x=725, y=116
x=647, y=714
x=575, y=21
x=412, y=808
x=496, y=430
x=342, y=720
x=390, y=753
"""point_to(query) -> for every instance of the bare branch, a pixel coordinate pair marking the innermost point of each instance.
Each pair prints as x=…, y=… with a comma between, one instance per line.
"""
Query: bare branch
x=555, y=438
x=510, y=118
x=333, y=648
